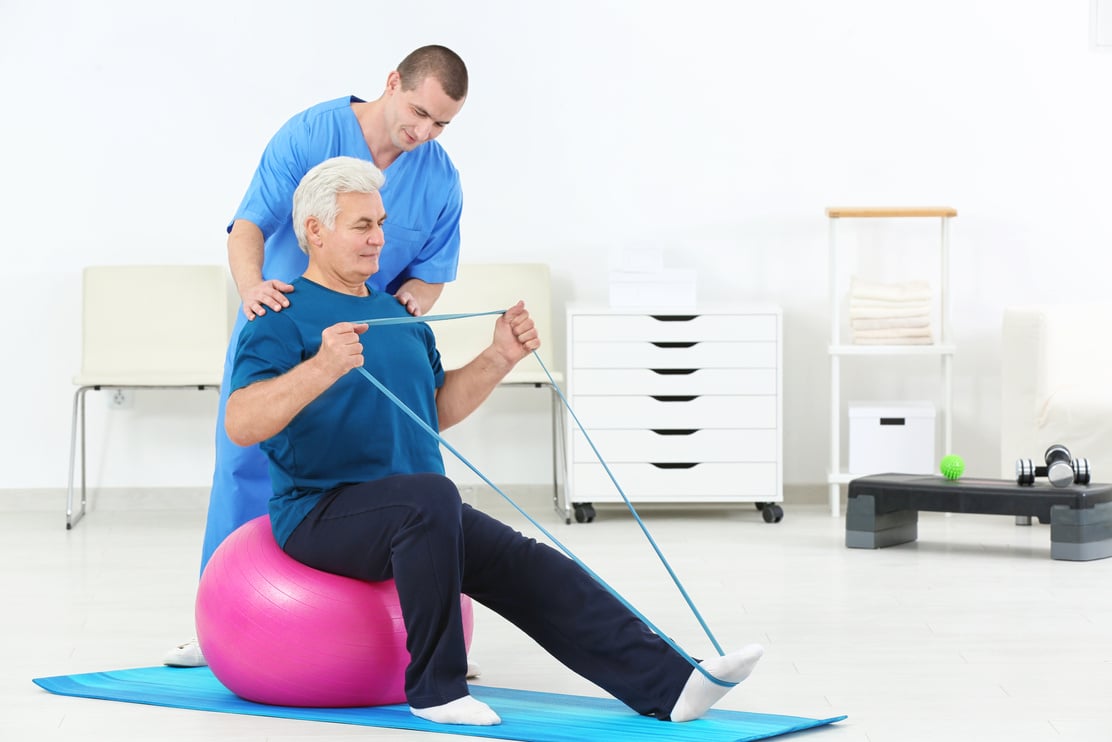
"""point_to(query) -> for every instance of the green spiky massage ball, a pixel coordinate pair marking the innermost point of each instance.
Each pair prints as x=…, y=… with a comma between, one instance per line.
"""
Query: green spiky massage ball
x=951, y=466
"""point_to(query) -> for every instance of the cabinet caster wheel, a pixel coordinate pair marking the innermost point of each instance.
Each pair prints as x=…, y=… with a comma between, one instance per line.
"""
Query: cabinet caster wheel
x=772, y=513
x=760, y=505
x=584, y=512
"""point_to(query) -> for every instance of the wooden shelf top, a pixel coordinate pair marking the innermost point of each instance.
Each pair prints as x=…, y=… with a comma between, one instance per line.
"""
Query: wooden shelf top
x=873, y=212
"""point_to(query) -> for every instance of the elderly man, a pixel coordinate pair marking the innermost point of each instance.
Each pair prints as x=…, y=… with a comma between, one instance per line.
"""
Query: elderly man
x=359, y=487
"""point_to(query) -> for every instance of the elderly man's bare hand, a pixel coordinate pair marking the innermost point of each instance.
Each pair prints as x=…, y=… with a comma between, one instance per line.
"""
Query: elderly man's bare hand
x=340, y=348
x=268, y=294
x=515, y=335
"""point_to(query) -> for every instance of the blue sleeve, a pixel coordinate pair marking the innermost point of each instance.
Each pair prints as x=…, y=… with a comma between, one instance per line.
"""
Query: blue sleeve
x=434, y=356
x=287, y=157
x=269, y=346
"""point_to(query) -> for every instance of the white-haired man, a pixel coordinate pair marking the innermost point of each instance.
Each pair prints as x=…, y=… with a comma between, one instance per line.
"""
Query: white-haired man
x=359, y=487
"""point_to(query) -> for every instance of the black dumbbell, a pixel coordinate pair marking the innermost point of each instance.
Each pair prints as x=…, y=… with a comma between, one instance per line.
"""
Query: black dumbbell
x=1061, y=468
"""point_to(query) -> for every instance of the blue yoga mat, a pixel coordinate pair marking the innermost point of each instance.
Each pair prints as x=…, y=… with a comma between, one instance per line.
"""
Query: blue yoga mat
x=526, y=715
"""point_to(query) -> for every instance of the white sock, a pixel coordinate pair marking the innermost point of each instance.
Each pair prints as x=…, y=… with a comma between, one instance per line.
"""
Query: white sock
x=699, y=694
x=463, y=710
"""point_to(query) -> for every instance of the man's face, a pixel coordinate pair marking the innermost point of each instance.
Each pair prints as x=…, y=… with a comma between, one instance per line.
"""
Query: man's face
x=419, y=115
x=352, y=247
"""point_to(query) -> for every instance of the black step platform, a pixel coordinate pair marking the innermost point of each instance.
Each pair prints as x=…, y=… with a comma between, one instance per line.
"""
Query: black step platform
x=883, y=510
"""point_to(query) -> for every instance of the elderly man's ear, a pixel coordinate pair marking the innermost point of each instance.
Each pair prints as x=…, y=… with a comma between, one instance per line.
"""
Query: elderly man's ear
x=313, y=231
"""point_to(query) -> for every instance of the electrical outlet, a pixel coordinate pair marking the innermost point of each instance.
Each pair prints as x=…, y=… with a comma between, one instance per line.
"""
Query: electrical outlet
x=121, y=399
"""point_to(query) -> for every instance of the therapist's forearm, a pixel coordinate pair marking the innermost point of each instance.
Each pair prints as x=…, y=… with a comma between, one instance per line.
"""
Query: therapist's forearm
x=245, y=254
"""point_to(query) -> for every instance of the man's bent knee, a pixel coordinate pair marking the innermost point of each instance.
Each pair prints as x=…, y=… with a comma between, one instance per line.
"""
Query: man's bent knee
x=435, y=495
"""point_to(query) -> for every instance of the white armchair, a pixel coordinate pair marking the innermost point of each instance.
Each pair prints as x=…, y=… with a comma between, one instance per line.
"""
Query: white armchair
x=1055, y=368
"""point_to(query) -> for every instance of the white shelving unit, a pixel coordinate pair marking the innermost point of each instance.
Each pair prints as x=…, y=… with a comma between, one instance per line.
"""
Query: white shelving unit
x=683, y=404
x=839, y=348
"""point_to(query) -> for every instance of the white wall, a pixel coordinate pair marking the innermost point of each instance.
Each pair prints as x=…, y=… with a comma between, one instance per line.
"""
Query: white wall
x=720, y=130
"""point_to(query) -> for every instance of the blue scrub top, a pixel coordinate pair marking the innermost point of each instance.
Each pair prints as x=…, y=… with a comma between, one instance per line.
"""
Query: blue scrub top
x=422, y=196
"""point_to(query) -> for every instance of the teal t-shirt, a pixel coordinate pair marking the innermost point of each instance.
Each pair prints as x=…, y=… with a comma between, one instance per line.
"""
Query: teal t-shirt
x=351, y=433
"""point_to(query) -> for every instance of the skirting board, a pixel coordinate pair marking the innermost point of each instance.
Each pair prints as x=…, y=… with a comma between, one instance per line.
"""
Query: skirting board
x=196, y=498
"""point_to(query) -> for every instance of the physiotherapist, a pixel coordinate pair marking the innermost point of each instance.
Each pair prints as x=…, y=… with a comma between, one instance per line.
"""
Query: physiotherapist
x=423, y=200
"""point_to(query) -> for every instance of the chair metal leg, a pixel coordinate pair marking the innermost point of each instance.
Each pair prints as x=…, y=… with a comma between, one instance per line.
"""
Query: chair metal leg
x=555, y=453
x=559, y=455
x=78, y=409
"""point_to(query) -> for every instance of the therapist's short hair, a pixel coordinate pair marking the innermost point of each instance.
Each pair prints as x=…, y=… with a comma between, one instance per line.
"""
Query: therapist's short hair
x=435, y=61
x=316, y=194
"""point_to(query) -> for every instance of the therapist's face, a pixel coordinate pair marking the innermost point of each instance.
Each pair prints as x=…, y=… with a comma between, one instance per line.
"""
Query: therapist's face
x=418, y=115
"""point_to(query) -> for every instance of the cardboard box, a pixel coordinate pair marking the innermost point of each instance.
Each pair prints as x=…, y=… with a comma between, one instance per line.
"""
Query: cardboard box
x=891, y=437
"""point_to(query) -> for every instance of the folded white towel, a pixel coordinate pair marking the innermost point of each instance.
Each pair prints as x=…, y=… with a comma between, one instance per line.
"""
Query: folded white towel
x=911, y=310
x=855, y=301
x=894, y=341
x=907, y=290
x=894, y=332
x=881, y=323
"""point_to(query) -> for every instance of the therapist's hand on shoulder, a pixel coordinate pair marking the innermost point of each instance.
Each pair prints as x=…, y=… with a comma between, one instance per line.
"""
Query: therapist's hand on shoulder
x=410, y=302
x=270, y=294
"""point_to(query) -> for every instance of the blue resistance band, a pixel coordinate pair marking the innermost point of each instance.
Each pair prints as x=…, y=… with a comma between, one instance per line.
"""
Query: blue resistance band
x=435, y=434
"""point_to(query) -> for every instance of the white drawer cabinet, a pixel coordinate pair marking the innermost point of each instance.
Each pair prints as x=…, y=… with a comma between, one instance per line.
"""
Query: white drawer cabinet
x=684, y=406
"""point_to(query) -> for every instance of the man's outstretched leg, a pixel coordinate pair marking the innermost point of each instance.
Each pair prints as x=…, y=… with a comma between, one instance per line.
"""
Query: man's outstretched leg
x=561, y=607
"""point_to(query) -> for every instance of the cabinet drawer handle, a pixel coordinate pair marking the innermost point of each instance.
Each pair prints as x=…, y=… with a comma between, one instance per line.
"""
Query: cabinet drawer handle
x=674, y=397
x=674, y=317
x=673, y=371
x=675, y=465
x=675, y=431
x=673, y=344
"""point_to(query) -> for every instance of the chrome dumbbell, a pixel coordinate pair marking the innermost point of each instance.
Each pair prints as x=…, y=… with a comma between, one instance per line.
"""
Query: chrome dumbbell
x=1061, y=468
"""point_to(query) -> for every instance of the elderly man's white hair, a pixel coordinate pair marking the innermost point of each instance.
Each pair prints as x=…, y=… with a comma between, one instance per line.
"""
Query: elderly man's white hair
x=316, y=193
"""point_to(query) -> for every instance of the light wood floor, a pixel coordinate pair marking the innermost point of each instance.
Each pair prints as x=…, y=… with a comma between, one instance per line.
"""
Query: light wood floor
x=972, y=633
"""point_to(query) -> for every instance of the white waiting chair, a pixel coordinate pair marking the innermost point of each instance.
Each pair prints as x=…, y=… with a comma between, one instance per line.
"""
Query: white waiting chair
x=482, y=287
x=147, y=327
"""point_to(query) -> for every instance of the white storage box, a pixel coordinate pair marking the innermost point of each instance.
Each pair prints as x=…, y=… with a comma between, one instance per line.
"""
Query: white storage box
x=891, y=437
x=672, y=288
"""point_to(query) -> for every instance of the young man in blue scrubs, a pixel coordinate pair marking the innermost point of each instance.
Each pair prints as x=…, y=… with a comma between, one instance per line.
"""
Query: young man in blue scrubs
x=424, y=198
x=359, y=486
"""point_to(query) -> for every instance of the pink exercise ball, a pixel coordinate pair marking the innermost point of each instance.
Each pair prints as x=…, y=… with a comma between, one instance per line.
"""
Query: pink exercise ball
x=278, y=632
